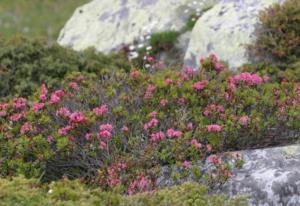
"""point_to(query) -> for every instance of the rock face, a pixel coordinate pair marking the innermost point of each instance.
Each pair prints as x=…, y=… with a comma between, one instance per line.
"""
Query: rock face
x=269, y=177
x=109, y=24
x=225, y=30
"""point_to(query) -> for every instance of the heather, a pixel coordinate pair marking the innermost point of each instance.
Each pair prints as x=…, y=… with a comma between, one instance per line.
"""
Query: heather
x=116, y=130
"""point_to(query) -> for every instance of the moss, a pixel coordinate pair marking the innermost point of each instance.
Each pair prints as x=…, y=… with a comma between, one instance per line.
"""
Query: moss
x=24, y=192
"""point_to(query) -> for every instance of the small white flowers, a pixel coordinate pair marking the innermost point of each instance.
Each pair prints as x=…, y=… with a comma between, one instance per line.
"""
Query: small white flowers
x=50, y=191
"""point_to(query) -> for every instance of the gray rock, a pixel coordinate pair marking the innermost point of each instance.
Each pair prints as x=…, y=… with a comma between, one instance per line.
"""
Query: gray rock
x=225, y=30
x=269, y=177
x=109, y=24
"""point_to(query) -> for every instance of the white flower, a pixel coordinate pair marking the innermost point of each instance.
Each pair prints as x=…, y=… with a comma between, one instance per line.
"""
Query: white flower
x=50, y=191
x=149, y=48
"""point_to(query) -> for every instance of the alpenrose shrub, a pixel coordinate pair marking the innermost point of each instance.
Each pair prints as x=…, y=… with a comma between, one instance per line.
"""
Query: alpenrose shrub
x=23, y=192
x=117, y=131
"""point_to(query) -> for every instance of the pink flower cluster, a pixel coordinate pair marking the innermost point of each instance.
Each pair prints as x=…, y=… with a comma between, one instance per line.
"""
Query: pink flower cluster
x=37, y=106
x=25, y=128
x=16, y=117
x=114, y=179
x=218, y=66
x=19, y=103
x=141, y=184
x=99, y=111
x=56, y=96
x=171, y=133
x=213, y=108
x=244, y=120
x=196, y=144
x=214, y=159
x=163, y=102
x=214, y=128
x=200, y=85
x=149, y=91
x=248, y=78
x=153, y=122
x=155, y=137
x=77, y=118
x=44, y=92
x=73, y=85
x=63, y=112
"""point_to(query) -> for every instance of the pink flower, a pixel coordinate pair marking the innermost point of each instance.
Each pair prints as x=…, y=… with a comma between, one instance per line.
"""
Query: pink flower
x=19, y=103
x=54, y=99
x=37, y=106
x=77, y=118
x=102, y=145
x=149, y=59
x=152, y=123
x=185, y=165
x=44, y=92
x=99, y=111
x=149, y=91
x=65, y=130
x=3, y=113
x=25, y=128
x=65, y=112
x=214, y=128
x=163, y=102
x=200, y=85
x=88, y=136
x=124, y=129
x=266, y=78
x=157, y=136
x=141, y=184
x=169, y=81
x=73, y=85
x=209, y=147
x=181, y=101
x=16, y=117
x=107, y=127
x=249, y=79
x=50, y=139
x=244, y=120
x=214, y=159
x=173, y=133
x=105, y=134
x=196, y=144
x=190, y=126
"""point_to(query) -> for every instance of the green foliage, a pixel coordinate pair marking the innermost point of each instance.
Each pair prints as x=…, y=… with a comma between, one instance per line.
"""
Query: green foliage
x=25, y=64
x=278, y=38
x=37, y=18
x=163, y=41
x=23, y=192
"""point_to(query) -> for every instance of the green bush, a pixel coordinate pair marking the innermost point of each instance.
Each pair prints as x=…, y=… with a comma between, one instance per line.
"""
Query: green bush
x=278, y=39
x=25, y=64
x=23, y=192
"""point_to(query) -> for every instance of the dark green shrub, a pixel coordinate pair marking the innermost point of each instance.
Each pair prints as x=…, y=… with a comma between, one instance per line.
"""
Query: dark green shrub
x=25, y=64
x=163, y=41
x=278, y=34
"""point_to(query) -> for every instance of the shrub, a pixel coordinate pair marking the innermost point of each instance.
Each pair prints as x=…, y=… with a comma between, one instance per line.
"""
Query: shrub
x=23, y=192
x=25, y=64
x=278, y=37
x=117, y=130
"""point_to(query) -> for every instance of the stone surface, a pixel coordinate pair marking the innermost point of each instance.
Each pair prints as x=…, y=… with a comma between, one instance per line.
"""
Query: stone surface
x=269, y=177
x=109, y=24
x=225, y=30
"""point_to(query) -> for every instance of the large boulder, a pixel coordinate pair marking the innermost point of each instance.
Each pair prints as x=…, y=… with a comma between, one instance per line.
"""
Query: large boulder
x=225, y=30
x=107, y=25
x=269, y=177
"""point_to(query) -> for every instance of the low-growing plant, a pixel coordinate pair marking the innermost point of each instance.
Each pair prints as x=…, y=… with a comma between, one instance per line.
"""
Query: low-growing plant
x=24, y=192
x=117, y=129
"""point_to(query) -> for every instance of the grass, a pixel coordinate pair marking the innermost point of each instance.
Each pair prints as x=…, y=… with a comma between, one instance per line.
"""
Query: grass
x=35, y=18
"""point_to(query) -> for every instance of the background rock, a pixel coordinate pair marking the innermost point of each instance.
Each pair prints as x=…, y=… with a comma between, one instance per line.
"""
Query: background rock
x=109, y=24
x=225, y=30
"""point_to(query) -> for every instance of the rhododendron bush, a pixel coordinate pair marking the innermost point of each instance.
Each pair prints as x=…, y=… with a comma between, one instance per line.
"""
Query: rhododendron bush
x=118, y=129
